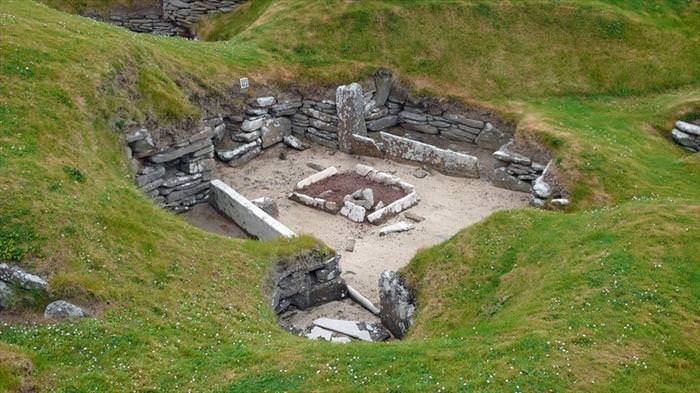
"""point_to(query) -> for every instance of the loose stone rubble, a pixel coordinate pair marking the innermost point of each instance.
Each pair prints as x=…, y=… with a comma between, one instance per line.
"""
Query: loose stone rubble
x=20, y=278
x=687, y=135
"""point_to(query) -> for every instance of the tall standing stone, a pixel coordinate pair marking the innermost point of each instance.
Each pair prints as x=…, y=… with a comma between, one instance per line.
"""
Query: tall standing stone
x=382, y=81
x=351, y=114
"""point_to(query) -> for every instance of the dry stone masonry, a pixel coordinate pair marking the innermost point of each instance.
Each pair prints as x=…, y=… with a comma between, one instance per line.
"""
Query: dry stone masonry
x=687, y=134
x=170, y=17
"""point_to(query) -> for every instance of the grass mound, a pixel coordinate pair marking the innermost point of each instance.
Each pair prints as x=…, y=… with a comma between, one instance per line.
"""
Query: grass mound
x=603, y=298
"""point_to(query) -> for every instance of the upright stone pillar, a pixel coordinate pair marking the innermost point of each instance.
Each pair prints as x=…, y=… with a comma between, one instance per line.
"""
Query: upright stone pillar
x=350, y=105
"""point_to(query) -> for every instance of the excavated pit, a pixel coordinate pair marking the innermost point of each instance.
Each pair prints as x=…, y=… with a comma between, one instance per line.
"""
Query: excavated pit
x=275, y=164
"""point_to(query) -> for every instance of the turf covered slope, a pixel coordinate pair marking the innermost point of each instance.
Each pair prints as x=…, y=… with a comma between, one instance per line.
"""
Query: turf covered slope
x=603, y=298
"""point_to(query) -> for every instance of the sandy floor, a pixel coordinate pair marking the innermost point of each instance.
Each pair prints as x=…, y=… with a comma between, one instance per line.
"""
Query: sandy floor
x=447, y=203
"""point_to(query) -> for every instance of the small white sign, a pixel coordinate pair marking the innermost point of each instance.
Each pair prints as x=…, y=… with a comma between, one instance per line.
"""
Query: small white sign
x=244, y=83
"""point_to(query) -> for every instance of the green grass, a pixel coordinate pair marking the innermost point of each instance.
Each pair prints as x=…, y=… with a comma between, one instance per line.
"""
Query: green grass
x=602, y=298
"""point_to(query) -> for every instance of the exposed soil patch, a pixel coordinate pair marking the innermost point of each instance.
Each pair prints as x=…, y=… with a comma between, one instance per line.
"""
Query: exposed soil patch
x=205, y=217
x=335, y=188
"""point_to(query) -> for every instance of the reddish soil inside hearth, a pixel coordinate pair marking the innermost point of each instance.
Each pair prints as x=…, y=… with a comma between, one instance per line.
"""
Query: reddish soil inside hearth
x=346, y=183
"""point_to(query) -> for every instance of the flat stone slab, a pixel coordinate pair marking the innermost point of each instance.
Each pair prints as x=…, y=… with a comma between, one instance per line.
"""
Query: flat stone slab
x=317, y=177
x=364, y=331
x=401, y=226
x=245, y=214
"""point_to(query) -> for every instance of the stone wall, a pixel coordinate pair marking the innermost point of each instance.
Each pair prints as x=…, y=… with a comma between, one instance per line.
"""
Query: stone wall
x=306, y=281
x=175, y=174
x=687, y=134
x=171, y=18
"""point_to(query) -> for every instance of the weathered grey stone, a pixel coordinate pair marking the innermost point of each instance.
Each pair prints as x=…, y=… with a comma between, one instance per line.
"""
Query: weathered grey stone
x=401, y=226
x=250, y=125
x=424, y=128
x=174, y=153
x=541, y=189
x=274, y=131
x=353, y=212
x=20, y=278
x=559, y=202
x=394, y=208
x=685, y=139
x=502, y=179
x=537, y=202
x=413, y=117
x=294, y=142
x=504, y=154
x=397, y=301
x=246, y=137
x=7, y=296
x=244, y=213
x=316, y=177
x=491, y=138
x=150, y=174
x=264, y=102
x=363, y=197
x=240, y=151
x=141, y=143
x=383, y=82
x=457, y=118
x=688, y=128
x=383, y=123
x=199, y=166
x=61, y=309
x=364, y=331
x=316, y=114
x=446, y=161
x=268, y=205
x=351, y=117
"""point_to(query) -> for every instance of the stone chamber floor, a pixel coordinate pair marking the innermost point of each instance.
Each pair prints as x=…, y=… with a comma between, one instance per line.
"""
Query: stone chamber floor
x=448, y=204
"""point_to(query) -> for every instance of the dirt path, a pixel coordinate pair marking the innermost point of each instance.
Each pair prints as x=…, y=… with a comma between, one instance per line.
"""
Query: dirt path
x=447, y=203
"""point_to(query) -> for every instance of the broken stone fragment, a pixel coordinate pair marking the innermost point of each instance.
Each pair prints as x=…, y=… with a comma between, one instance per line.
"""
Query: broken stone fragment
x=505, y=155
x=364, y=331
x=353, y=212
x=20, y=278
x=350, y=246
x=294, y=142
x=267, y=205
x=61, y=309
x=361, y=300
x=419, y=173
x=246, y=137
x=541, y=189
x=319, y=333
x=414, y=217
x=363, y=197
x=559, y=202
x=401, y=226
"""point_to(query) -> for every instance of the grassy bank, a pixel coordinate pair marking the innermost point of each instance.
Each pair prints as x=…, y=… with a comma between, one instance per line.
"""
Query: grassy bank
x=602, y=298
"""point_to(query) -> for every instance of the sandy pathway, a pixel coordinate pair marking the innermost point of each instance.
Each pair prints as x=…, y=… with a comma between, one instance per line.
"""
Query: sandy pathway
x=448, y=204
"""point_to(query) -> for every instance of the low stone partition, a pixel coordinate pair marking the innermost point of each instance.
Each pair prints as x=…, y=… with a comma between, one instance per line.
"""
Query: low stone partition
x=446, y=161
x=687, y=134
x=306, y=281
x=246, y=214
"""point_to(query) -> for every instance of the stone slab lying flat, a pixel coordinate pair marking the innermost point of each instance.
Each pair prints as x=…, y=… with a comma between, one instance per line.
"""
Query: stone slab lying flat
x=401, y=226
x=317, y=177
x=245, y=214
x=360, y=330
x=393, y=208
